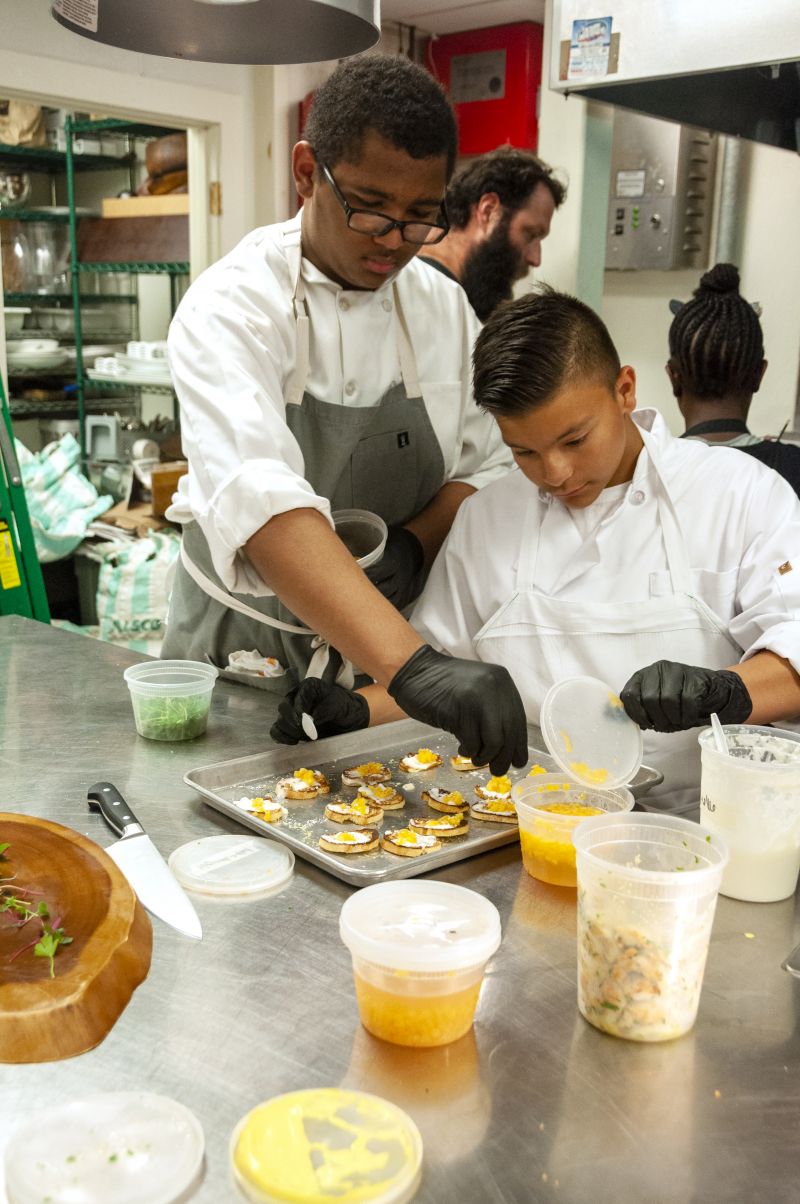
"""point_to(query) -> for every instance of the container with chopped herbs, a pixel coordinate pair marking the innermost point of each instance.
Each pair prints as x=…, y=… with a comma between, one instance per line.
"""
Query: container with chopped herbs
x=647, y=892
x=171, y=699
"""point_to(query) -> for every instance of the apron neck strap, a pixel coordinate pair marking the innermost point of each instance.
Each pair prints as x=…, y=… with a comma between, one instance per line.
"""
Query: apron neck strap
x=680, y=569
x=296, y=383
x=671, y=532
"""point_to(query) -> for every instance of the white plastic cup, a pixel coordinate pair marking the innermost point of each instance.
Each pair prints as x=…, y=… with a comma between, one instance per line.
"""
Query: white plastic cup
x=752, y=799
x=363, y=533
x=419, y=952
x=647, y=892
x=546, y=837
x=171, y=699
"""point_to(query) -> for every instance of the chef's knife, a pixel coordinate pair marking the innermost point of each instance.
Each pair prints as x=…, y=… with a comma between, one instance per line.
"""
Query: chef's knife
x=141, y=862
x=792, y=962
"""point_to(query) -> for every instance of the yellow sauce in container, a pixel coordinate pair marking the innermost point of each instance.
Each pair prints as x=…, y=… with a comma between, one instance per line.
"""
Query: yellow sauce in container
x=550, y=808
x=417, y=1019
x=326, y=1146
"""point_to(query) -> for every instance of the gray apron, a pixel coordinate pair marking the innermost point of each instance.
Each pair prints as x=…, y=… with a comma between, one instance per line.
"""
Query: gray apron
x=384, y=458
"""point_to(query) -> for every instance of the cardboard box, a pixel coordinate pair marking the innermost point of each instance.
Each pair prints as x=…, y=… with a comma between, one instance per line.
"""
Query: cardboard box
x=164, y=483
x=176, y=203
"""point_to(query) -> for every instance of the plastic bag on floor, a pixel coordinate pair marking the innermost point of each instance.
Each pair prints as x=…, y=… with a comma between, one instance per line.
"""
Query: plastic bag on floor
x=61, y=501
x=133, y=590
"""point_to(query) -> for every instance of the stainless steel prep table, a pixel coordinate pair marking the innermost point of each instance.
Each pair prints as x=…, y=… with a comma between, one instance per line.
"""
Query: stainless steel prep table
x=535, y=1106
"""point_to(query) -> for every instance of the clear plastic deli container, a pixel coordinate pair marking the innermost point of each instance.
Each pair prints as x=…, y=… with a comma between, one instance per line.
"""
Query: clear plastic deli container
x=363, y=533
x=419, y=954
x=550, y=807
x=326, y=1144
x=647, y=891
x=752, y=799
x=171, y=699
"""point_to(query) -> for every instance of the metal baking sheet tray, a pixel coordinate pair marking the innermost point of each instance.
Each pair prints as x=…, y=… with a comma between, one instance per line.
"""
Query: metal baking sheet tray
x=224, y=782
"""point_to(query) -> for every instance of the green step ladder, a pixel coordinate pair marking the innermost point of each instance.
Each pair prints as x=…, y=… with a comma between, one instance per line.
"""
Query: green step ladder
x=22, y=589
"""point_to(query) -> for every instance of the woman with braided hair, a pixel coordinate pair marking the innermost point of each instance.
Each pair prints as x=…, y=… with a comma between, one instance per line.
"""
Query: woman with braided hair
x=716, y=364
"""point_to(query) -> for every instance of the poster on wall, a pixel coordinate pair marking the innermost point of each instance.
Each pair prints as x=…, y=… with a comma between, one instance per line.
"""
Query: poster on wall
x=589, y=48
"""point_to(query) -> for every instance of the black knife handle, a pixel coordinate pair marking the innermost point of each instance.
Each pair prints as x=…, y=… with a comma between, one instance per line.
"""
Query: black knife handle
x=105, y=798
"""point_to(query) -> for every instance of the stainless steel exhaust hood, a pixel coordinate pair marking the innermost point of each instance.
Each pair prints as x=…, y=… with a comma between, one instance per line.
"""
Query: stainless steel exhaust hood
x=727, y=65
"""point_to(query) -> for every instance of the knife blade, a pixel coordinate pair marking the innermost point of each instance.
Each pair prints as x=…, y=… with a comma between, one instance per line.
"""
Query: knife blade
x=792, y=962
x=142, y=864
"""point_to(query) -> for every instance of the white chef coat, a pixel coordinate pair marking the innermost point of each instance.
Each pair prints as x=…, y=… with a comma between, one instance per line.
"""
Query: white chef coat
x=232, y=351
x=740, y=521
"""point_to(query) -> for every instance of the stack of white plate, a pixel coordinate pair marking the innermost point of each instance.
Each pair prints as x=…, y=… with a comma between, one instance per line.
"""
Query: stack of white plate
x=32, y=354
x=143, y=364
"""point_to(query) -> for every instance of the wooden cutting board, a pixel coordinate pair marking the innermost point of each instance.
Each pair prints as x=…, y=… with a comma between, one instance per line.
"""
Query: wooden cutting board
x=43, y=1019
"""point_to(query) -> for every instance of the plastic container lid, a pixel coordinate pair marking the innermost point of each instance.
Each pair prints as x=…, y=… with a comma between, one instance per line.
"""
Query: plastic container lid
x=430, y=927
x=311, y=1147
x=363, y=533
x=132, y=1147
x=232, y=865
x=173, y=679
x=588, y=732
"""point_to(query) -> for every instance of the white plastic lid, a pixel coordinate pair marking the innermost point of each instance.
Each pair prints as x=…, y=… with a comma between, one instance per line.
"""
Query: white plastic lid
x=132, y=1147
x=589, y=733
x=326, y=1144
x=420, y=925
x=232, y=865
x=174, y=678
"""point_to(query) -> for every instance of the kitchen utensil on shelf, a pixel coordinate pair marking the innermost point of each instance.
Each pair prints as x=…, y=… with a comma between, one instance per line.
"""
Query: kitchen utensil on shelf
x=142, y=864
x=720, y=742
x=43, y=1019
x=15, y=187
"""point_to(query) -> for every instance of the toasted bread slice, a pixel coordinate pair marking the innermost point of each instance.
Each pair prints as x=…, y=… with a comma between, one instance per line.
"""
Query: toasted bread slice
x=405, y=843
x=364, y=840
x=383, y=796
x=357, y=811
x=368, y=773
x=495, y=789
x=441, y=826
x=464, y=764
x=296, y=787
x=420, y=761
x=495, y=811
x=452, y=802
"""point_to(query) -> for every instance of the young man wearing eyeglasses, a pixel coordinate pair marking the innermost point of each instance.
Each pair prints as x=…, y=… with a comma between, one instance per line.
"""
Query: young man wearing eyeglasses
x=321, y=367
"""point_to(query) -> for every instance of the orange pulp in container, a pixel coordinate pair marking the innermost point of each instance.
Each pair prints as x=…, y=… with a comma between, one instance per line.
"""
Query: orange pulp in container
x=550, y=808
x=419, y=952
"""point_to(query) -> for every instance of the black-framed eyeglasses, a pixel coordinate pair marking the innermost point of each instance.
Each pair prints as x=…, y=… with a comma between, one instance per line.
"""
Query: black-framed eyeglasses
x=367, y=221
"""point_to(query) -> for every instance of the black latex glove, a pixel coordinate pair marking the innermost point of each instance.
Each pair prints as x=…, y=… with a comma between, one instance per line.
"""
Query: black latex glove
x=396, y=573
x=333, y=709
x=478, y=703
x=670, y=697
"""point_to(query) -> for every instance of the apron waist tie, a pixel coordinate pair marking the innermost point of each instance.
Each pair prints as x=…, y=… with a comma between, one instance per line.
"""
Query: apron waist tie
x=322, y=649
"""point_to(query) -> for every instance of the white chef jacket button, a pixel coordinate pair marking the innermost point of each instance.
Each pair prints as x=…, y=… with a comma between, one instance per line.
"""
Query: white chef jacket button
x=350, y=388
x=386, y=303
x=637, y=497
x=344, y=303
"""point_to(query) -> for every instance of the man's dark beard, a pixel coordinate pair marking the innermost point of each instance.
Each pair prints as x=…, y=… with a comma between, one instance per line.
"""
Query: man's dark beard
x=490, y=270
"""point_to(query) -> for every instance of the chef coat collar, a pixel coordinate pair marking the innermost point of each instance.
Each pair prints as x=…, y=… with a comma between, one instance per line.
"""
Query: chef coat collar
x=313, y=275
x=648, y=420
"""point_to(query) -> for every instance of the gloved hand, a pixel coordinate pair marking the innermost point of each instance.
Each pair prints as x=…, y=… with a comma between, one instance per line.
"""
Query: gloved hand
x=478, y=703
x=670, y=697
x=396, y=573
x=333, y=709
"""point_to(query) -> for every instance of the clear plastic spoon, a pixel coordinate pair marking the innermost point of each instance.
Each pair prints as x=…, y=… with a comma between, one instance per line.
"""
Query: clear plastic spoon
x=719, y=736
